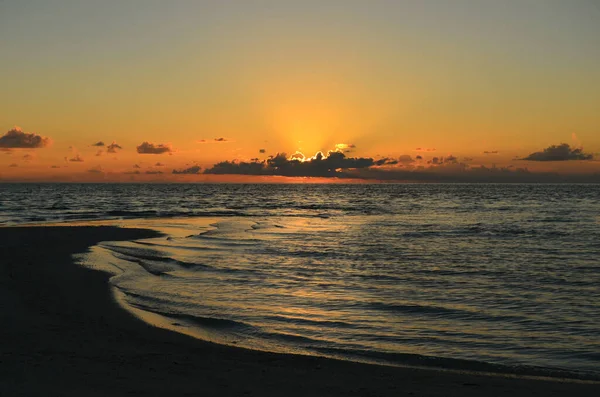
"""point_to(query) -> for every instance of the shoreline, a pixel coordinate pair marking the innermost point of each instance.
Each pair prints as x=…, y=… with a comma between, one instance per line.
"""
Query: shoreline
x=63, y=333
x=402, y=360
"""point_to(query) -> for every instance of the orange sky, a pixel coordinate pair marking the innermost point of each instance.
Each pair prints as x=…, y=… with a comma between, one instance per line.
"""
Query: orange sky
x=244, y=80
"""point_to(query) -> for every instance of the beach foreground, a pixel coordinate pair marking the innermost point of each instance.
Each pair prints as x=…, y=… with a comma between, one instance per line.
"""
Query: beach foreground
x=63, y=334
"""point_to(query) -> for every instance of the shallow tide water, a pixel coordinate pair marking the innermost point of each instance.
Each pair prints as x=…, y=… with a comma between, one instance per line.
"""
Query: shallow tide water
x=468, y=275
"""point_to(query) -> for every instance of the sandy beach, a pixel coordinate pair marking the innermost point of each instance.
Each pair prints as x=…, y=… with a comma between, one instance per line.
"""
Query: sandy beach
x=62, y=334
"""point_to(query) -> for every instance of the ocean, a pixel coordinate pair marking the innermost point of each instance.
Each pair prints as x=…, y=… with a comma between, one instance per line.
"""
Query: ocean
x=474, y=276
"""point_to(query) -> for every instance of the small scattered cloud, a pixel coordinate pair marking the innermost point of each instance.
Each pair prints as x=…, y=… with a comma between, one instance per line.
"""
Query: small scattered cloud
x=562, y=152
x=99, y=153
x=448, y=160
x=419, y=149
x=191, y=170
x=159, y=165
x=406, y=159
x=490, y=152
x=17, y=139
x=76, y=159
x=99, y=143
x=136, y=172
x=345, y=147
x=28, y=157
x=215, y=140
x=262, y=151
x=113, y=147
x=153, y=172
x=386, y=161
x=419, y=157
x=151, y=148
x=55, y=166
x=14, y=165
x=136, y=166
x=95, y=170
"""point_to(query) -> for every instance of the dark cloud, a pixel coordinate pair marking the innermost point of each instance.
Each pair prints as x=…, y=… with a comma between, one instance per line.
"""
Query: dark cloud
x=239, y=168
x=419, y=149
x=76, y=159
x=55, y=166
x=150, y=148
x=221, y=140
x=99, y=153
x=386, y=161
x=17, y=139
x=490, y=152
x=336, y=164
x=319, y=165
x=95, y=170
x=562, y=152
x=27, y=157
x=136, y=172
x=262, y=151
x=159, y=165
x=462, y=173
x=136, y=166
x=99, y=143
x=152, y=172
x=296, y=156
x=419, y=157
x=438, y=161
x=14, y=165
x=192, y=170
x=113, y=147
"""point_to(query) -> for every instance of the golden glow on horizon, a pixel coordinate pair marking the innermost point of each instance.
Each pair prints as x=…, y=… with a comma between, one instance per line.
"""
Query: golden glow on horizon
x=370, y=80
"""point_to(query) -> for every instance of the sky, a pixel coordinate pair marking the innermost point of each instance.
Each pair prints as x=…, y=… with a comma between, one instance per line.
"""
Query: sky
x=149, y=90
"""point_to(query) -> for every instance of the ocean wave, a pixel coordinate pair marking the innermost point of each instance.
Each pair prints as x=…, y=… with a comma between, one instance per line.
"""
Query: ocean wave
x=216, y=323
x=312, y=322
x=449, y=312
x=210, y=322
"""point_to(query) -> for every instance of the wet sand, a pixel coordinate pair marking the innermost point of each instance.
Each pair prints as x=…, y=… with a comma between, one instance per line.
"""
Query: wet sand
x=63, y=334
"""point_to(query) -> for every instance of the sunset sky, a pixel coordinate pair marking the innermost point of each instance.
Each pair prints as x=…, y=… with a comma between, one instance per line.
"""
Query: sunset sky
x=137, y=89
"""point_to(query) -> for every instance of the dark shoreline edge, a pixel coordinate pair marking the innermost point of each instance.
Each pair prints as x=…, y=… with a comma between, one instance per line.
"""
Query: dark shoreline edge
x=402, y=360
x=62, y=333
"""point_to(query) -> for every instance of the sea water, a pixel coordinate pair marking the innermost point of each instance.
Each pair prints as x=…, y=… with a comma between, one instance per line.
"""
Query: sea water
x=479, y=276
